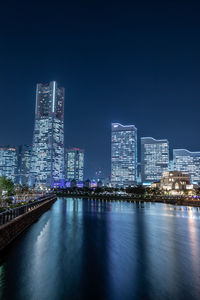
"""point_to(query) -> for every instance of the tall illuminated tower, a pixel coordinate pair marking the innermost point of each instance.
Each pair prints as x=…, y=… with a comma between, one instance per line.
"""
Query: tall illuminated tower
x=123, y=155
x=47, y=159
x=187, y=161
x=154, y=159
x=74, y=164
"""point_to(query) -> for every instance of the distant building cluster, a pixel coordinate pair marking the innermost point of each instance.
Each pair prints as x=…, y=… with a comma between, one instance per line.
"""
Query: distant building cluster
x=15, y=163
x=46, y=163
x=155, y=161
x=8, y=162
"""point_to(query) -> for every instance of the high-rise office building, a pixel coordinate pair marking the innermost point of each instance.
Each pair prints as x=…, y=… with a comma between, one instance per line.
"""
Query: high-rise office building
x=187, y=161
x=74, y=164
x=23, y=164
x=47, y=159
x=123, y=155
x=154, y=159
x=171, y=165
x=8, y=162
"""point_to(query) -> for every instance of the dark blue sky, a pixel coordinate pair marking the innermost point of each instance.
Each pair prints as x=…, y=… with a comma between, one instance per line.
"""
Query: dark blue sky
x=135, y=62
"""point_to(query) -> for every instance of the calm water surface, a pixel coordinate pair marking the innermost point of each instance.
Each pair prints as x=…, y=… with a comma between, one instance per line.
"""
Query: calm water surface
x=84, y=249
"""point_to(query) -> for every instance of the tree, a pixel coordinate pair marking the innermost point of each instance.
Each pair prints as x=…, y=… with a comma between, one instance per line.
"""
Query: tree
x=21, y=189
x=139, y=189
x=7, y=185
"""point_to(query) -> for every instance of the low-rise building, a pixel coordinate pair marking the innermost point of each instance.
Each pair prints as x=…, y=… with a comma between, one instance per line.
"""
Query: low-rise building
x=176, y=182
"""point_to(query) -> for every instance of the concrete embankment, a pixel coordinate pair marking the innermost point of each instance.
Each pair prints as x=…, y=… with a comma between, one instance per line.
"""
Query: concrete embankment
x=15, y=227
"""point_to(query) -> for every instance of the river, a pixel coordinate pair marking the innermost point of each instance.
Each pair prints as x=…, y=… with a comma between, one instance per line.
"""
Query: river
x=92, y=249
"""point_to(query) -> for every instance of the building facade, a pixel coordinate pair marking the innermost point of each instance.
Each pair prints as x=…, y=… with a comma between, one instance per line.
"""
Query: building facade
x=8, y=162
x=175, y=182
x=154, y=159
x=187, y=161
x=23, y=164
x=47, y=159
x=74, y=164
x=123, y=155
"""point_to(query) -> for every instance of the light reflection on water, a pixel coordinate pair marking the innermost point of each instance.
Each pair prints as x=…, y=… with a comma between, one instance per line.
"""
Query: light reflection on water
x=82, y=249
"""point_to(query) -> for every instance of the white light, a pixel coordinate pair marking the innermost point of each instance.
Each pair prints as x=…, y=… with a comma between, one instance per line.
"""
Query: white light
x=54, y=95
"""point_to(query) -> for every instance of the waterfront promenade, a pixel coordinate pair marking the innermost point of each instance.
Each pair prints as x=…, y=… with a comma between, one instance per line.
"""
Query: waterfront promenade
x=174, y=200
x=14, y=221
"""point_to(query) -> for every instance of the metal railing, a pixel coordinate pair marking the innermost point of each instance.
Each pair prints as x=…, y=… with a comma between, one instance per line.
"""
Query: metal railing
x=12, y=213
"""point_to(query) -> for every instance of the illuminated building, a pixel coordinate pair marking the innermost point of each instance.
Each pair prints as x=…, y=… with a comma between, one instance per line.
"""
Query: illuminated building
x=8, y=162
x=139, y=181
x=87, y=183
x=47, y=160
x=74, y=164
x=99, y=183
x=93, y=183
x=123, y=155
x=23, y=164
x=154, y=159
x=187, y=161
x=175, y=182
x=171, y=165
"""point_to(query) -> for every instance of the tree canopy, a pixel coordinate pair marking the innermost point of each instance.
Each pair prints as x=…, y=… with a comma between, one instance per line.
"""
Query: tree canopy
x=7, y=185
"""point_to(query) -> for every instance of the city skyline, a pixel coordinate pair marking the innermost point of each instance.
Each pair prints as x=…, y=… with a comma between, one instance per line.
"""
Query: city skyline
x=116, y=64
x=148, y=165
x=70, y=145
x=99, y=150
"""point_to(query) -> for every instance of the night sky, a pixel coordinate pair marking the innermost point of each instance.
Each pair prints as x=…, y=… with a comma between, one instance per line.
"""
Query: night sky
x=135, y=62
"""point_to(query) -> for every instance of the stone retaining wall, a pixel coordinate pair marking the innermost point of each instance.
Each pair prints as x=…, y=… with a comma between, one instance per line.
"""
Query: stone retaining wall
x=11, y=230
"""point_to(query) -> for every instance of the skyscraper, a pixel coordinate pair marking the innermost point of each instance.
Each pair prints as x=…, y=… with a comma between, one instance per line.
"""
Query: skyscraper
x=23, y=164
x=74, y=164
x=154, y=159
x=8, y=162
x=47, y=160
x=123, y=155
x=188, y=161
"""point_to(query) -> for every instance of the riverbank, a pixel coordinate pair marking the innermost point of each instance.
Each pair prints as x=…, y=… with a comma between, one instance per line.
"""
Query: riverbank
x=14, y=227
x=134, y=198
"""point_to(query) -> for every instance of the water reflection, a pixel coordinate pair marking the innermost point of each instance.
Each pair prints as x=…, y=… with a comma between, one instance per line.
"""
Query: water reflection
x=96, y=249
